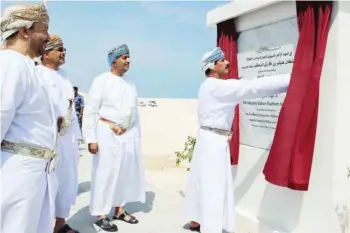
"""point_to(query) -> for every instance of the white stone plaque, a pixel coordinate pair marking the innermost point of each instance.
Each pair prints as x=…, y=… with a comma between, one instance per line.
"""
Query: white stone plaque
x=258, y=117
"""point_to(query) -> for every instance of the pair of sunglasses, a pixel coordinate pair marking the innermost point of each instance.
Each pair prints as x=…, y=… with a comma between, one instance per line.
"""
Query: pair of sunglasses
x=61, y=49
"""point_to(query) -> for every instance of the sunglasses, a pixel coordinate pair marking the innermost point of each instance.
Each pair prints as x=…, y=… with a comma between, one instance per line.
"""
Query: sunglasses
x=61, y=49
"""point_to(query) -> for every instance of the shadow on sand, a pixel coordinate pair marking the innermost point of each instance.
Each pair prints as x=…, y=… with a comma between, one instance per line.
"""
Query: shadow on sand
x=83, y=221
x=84, y=187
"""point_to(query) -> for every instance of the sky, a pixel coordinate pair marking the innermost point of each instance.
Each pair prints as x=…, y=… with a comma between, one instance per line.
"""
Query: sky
x=166, y=41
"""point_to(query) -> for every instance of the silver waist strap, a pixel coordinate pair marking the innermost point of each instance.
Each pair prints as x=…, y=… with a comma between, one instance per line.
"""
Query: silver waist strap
x=218, y=131
x=27, y=150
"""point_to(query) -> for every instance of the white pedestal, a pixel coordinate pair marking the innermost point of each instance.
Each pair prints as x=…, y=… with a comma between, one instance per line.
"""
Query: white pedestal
x=264, y=208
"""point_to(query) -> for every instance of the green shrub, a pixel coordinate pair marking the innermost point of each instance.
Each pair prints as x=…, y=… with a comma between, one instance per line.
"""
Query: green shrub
x=187, y=152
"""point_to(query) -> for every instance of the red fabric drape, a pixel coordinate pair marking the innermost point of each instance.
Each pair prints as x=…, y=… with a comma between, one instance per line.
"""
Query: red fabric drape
x=290, y=160
x=227, y=41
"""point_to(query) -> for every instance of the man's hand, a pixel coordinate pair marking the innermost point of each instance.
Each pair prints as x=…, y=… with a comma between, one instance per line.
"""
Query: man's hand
x=120, y=130
x=93, y=148
x=70, y=103
x=59, y=123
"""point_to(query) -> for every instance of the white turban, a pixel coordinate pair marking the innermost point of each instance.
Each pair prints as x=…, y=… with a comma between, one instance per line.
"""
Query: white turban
x=54, y=42
x=209, y=58
x=19, y=16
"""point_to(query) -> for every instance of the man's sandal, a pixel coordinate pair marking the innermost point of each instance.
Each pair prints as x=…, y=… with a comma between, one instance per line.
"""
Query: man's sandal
x=106, y=225
x=123, y=216
x=66, y=228
x=197, y=228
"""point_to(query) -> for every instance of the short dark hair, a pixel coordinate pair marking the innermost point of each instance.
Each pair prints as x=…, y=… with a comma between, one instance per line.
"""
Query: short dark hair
x=208, y=71
x=75, y=88
x=13, y=35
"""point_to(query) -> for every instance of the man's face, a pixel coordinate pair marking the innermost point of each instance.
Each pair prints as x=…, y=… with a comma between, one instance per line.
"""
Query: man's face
x=123, y=63
x=56, y=56
x=75, y=92
x=38, y=36
x=222, y=66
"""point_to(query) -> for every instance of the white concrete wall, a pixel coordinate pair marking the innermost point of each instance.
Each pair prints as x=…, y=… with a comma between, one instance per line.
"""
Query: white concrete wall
x=325, y=208
x=165, y=128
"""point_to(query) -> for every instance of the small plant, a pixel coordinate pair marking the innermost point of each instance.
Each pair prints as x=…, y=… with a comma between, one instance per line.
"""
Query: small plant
x=187, y=152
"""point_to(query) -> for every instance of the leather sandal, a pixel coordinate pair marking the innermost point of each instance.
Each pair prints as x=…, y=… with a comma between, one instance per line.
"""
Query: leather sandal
x=197, y=228
x=66, y=228
x=132, y=219
x=106, y=225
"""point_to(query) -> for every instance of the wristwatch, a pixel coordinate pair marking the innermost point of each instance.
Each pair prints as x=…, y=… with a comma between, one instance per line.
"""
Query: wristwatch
x=113, y=126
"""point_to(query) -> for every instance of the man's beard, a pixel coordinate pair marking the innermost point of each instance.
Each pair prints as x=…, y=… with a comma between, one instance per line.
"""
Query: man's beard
x=39, y=50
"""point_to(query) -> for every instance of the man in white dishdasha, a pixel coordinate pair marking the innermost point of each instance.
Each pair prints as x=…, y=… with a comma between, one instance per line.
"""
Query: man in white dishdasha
x=28, y=124
x=113, y=135
x=61, y=90
x=209, y=201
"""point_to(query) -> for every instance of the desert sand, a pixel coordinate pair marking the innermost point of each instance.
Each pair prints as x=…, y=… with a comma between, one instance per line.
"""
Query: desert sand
x=162, y=212
x=165, y=126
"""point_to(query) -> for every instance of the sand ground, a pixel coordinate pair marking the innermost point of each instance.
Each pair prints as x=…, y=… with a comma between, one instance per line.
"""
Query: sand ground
x=162, y=212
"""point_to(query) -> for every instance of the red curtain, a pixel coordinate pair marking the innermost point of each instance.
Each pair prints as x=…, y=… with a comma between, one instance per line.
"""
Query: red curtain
x=290, y=160
x=227, y=41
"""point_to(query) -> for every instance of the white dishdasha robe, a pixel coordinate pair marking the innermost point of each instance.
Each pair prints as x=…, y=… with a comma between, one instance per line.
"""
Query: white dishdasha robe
x=118, y=170
x=209, y=196
x=28, y=116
